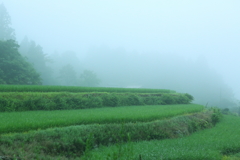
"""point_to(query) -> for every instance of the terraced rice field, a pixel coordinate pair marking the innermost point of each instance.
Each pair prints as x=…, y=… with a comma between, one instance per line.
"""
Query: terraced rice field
x=31, y=120
x=219, y=142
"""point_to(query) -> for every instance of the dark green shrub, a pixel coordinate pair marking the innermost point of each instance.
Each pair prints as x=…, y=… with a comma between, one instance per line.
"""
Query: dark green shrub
x=133, y=99
x=152, y=100
x=4, y=103
x=123, y=100
x=167, y=99
x=49, y=105
x=190, y=97
x=110, y=100
x=60, y=102
x=75, y=102
x=83, y=103
x=9, y=104
x=225, y=111
x=216, y=116
x=33, y=103
x=94, y=102
x=231, y=150
x=182, y=99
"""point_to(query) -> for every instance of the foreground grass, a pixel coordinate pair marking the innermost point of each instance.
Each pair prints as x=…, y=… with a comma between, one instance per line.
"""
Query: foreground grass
x=32, y=120
x=220, y=142
x=75, y=141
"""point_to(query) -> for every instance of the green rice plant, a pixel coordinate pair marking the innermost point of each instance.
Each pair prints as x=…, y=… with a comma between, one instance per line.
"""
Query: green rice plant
x=38, y=88
x=219, y=142
x=75, y=141
x=31, y=120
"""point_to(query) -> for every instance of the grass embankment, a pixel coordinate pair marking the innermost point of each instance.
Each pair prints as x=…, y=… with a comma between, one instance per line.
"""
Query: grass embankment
x=28, y=101
x=29, y=98
x=219, y=142
x=31, y=120
x=75, y=141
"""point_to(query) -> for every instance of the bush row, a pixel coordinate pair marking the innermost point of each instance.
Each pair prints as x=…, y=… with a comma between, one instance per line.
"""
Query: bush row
x=75, y=140
x=14, y=101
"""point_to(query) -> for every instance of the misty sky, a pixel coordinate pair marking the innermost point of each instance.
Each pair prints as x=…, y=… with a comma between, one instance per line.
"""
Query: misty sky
x=190, y=28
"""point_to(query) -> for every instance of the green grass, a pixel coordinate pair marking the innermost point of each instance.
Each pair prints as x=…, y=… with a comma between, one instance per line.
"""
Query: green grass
x=32, y=120
x=75, y=141
x=38, y=88
x=220, y=142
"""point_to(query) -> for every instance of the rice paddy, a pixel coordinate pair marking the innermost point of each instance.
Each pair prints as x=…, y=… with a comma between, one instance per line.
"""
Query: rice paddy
x=31, y=120
x=48, y=125
x=219, y=142
x=37, y=88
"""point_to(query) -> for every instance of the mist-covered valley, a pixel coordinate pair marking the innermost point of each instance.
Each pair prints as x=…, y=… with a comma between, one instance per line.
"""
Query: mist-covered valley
x=163, y=49
x=115, y=67
x=119, y=79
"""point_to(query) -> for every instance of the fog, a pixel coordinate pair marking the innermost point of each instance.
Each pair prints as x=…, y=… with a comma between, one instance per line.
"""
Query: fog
x=187, y=46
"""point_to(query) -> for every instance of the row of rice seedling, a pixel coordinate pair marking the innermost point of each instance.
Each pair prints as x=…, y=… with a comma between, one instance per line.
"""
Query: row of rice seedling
x=75, y=141
x=29, y=101
x=38, y=88
x=31, y=120
x=219, y=142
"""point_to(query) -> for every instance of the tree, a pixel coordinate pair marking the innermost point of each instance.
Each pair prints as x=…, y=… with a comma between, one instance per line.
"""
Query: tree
x=6, y=32
x=34, y=54
x=67, y=75
x=89, y=79
x=14, y=69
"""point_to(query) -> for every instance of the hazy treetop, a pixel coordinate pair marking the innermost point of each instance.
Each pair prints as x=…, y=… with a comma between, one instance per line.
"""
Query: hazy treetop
x=6, y=32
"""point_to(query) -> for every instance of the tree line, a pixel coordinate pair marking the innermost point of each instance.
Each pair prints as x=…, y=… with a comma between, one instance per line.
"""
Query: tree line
x=28, y=64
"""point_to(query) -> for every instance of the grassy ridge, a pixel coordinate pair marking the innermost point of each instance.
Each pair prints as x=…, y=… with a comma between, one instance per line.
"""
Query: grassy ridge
x=220, y=142
x=38, y=88
x=31, y=120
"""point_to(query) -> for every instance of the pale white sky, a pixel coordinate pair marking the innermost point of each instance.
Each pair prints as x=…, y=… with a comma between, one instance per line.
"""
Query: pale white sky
x=184, y=27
